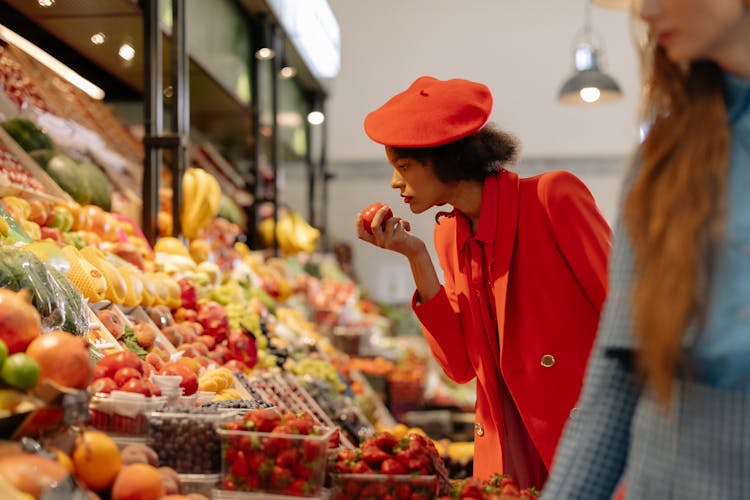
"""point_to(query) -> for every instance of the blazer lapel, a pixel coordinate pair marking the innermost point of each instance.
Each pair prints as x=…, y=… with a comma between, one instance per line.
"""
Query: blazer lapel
x=505, y=236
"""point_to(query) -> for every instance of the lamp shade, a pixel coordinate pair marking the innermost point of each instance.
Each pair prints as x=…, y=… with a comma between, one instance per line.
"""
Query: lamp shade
x=588, y=87
x=613, y=4
x=589, y=84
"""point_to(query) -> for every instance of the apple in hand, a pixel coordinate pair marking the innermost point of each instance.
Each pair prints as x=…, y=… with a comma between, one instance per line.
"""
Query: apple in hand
x=369, y=213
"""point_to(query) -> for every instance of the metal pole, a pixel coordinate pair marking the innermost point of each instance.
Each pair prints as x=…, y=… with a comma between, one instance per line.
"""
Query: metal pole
x=275, y=44
x=310, y=168
x=180, y=108
x=327, y=176
x=152, y=118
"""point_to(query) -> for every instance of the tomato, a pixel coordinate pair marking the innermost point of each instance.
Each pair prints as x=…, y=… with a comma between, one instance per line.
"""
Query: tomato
x=137, y=386
x=109, y=364
x=369, y=213
x=104, y=384
x=189, y=379
x=124, y=374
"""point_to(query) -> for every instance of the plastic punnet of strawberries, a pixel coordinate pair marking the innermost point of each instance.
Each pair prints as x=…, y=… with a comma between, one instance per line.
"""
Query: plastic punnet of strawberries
x=275, y=453
x=498, y=487
x=383, y=465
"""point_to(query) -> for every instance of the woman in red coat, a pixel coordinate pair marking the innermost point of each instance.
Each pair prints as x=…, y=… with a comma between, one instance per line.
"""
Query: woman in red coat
x=524, y=265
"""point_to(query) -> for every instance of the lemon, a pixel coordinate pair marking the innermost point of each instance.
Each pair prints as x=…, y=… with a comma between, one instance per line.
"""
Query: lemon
x=21, y=371
x=171, y=245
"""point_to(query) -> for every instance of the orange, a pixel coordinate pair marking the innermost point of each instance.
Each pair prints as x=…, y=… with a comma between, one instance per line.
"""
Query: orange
x=96, y=459
x=191, y=363
x=138, y=482
x=64, y=459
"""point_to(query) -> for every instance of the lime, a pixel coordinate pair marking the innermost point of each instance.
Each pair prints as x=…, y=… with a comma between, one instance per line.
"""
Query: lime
x=21, y=371
x=3, y=352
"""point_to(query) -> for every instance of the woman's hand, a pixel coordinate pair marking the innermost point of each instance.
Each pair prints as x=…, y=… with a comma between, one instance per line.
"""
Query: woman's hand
x=396, y=236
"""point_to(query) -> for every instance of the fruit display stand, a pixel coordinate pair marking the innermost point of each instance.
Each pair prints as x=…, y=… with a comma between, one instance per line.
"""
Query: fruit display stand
x=137, y=315
x=101, y=341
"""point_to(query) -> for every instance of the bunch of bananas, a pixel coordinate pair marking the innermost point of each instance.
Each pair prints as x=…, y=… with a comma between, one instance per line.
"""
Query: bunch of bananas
x=293, y=233
x=201, y=194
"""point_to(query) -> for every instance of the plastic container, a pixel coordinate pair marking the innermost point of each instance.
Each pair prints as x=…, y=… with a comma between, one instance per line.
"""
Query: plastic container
x=187, y=442
x=122, y=412
x=376, y=486
x=244, y=495
x=166, y=381
x=256, y=462
x=202, y=484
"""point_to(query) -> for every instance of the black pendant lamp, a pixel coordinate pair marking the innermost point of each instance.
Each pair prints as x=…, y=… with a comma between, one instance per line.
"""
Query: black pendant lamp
x=588, y=84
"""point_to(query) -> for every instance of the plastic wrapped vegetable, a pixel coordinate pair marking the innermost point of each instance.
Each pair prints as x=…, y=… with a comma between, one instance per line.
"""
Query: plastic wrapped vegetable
x=59, y=303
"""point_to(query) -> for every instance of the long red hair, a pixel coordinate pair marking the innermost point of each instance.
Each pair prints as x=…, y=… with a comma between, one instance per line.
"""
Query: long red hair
x=674, y=212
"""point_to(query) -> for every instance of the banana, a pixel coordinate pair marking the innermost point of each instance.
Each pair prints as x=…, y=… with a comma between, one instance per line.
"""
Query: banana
x=193, y=201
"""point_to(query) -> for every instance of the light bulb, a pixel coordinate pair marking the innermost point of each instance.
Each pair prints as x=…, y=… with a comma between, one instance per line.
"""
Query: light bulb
x=264, y=54
x=316, y=117
x=127, y=52
x=590, y=94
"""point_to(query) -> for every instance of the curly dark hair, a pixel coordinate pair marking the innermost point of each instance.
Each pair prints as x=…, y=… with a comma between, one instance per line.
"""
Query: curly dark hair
x=472, y=158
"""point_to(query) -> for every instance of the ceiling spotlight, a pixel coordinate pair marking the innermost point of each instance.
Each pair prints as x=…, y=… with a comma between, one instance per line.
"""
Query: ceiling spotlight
x=126, y=52
x=46, y=3
x=287, y=72
x=588, y=84
x=265, y=54
x=98, y=38
x=316, y=117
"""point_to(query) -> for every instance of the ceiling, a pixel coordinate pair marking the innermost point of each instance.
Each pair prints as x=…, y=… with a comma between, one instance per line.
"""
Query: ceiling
x=65, y=29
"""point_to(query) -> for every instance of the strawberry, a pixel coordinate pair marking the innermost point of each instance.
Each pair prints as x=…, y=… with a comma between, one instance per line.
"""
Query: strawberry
x=278, y=439
x=372, y=454
x=392, y=466
x=385, y=441
x=304, y=423
x=343, y=467
x=334, y=441
x=403, y=491
x=254, y=460
x=362, y=468
x=263, y=420
x=239, y=465
x=286, y=458
x=280, y=477
x=302, y=471
x=414, y=459
x=228, y=484
x=510, y=490
x=347, y=454
x=298, y=488
x=253, y=482
x=352, y=489
x=311, y=450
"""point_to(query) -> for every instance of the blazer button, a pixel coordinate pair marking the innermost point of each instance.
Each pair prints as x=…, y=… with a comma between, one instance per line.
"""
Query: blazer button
x=548, y=361
x=479, y=430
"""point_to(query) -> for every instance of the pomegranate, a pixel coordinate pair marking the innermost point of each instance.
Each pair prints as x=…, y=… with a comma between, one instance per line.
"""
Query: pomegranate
x=63, y=358
x=189, y=379
x=112, y=322
x=19, y=320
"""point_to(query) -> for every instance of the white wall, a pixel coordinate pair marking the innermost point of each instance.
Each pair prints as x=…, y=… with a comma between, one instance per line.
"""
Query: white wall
x=522, y=49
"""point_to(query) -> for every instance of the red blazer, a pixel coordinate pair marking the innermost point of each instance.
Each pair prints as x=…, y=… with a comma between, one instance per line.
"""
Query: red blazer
x=548, y=271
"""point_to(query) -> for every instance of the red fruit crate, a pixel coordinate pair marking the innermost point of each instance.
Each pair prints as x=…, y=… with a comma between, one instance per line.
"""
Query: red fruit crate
x=377, y=486
x=274, y=464
x=123, y=412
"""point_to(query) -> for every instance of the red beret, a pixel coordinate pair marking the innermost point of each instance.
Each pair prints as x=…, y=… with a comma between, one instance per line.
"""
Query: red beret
x=431, y=112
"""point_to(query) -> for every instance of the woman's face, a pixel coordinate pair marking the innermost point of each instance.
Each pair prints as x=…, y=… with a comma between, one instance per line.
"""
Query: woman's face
x=416, y=181
x=691, y=30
